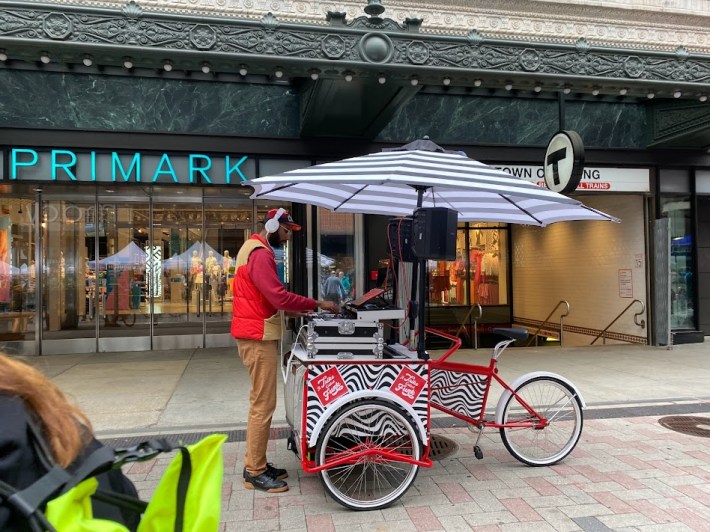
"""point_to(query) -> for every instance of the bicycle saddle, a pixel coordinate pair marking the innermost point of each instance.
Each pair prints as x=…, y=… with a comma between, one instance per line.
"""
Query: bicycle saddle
x=512, y=333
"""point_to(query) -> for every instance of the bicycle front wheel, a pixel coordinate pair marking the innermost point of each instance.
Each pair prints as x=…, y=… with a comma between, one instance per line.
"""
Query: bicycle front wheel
x=539, y=444
x=377, y=479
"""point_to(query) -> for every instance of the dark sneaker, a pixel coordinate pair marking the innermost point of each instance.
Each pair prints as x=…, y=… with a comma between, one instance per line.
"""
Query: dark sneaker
x=276, y=472
x=264, y=482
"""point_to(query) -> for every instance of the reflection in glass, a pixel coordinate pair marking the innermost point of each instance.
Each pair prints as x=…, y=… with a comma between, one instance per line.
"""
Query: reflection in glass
x=120, y=271
x=478, y=274
x=678, y=210
x=18, y=274
x=337, y=254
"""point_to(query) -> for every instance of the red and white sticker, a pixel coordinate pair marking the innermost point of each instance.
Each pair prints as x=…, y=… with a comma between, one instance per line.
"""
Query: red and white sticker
x=329, y=385
x=408, y=385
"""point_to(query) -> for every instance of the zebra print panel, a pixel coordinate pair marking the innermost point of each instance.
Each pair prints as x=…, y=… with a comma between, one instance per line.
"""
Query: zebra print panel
x=458, y=392
x=359, y=377
x=371, y=423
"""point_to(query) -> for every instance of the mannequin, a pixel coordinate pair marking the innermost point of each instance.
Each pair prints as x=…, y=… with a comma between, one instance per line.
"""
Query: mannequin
x=195, y=263
x=227, y=279
x=210, y=263
x=226, y=261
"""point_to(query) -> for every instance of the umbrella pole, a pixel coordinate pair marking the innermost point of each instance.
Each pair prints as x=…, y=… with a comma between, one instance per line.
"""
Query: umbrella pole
x=418, y=285
x=413, y=308
x=421, y=345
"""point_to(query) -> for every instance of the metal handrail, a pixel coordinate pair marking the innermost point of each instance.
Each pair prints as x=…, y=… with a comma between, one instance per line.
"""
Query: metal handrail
x=477, y=317
x=636, y=316
x=546, y=320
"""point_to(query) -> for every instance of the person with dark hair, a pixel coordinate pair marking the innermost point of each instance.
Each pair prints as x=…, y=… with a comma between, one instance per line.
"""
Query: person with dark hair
x=27, y=396
x=258, y=298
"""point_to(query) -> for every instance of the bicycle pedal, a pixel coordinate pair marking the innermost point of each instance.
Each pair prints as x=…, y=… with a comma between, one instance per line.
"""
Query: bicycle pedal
x=478, y=453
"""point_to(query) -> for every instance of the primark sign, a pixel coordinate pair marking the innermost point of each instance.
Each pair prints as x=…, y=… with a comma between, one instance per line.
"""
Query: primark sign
x=62, y=165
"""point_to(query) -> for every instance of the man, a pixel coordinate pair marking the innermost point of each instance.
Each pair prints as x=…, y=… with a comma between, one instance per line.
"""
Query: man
x=345, y=283
x=332, y=288
x=256, y=324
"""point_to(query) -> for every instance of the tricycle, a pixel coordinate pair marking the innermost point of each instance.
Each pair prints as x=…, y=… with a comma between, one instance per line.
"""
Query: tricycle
x=359, y=408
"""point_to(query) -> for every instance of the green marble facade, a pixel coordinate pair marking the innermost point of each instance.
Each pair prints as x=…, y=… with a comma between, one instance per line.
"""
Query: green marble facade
x=506, y=121
x=111, y=103
x=108, y=103
x=609, y=125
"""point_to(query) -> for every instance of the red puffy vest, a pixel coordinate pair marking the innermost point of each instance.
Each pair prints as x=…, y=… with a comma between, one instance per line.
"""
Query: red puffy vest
x=253, y=317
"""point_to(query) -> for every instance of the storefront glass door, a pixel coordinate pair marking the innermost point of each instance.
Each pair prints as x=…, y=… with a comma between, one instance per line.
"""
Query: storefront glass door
x=228, y=223
x=678, y=210
x=120, y=273
x=93, y=272
x=18, y=274
x=178, y=276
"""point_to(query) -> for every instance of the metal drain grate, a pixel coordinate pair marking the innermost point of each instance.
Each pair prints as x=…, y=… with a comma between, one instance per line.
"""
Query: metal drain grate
x=441, y=447
x=692, y=425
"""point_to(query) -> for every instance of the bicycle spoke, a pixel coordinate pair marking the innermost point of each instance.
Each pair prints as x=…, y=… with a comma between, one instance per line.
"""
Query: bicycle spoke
x=377, y=478
x=554, y=402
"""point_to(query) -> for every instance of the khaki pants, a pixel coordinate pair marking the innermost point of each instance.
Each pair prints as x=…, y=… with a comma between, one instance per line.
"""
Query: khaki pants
x=261, y=359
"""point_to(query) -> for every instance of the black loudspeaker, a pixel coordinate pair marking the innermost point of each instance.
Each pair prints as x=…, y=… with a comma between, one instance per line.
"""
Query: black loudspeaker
x=399, y=239
x=434, y=233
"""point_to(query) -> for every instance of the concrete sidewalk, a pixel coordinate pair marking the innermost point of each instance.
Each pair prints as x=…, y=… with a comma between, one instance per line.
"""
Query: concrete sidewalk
x=628, y=472
x=197, y=390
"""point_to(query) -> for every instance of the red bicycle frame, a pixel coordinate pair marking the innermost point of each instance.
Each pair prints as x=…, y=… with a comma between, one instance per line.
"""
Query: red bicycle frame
x=490, y=373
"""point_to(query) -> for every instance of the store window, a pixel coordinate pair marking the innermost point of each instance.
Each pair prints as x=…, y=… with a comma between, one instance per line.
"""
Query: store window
x=338, y=278
x=18, y=273
x=479, y=273
x=679, y=212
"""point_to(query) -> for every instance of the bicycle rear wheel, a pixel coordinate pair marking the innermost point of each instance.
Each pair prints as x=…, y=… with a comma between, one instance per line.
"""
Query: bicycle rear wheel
x=371, y=481
x=538, y=444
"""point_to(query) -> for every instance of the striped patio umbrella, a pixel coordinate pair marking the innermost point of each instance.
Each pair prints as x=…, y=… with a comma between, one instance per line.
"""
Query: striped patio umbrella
x=396, y=182
x=423, y=174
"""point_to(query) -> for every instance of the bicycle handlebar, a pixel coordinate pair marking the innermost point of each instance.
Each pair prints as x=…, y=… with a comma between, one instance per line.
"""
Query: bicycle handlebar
x=455, y=341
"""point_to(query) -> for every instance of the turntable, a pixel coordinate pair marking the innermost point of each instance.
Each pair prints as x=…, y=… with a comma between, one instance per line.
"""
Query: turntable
x=371, y=306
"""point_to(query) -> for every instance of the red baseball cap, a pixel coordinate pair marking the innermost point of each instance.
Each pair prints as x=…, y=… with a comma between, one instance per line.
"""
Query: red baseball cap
x=285, y=219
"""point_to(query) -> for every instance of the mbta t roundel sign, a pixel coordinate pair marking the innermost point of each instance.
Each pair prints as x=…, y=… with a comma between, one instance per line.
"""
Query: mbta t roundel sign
x=564, y=162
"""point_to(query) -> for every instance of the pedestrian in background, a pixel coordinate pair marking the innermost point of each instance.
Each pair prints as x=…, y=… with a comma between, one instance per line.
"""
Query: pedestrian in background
x=345, y=283
x=332, y=288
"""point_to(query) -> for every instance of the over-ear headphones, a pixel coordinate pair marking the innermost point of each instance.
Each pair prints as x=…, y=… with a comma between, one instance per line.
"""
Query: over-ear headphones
x=272, y=224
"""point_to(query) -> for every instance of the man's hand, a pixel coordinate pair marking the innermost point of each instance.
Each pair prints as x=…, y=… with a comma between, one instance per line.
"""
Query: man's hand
x=330, y=306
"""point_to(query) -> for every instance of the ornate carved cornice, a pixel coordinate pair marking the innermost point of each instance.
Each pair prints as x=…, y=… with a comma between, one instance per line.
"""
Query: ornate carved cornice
x=371, y=47
x=638, y=24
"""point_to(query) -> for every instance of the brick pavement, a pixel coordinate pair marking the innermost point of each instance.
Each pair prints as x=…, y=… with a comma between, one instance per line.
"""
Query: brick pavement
x=627, y=473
